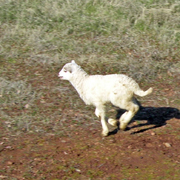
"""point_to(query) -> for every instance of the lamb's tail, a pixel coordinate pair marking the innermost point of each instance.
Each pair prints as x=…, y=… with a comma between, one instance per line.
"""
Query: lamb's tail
x=141, y=93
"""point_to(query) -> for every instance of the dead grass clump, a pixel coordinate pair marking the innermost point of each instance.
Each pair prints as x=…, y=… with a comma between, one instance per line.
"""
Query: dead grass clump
x=15, y=96
x=16, y=93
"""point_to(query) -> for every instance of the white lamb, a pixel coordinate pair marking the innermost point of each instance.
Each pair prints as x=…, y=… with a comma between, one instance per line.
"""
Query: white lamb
x=97, y=90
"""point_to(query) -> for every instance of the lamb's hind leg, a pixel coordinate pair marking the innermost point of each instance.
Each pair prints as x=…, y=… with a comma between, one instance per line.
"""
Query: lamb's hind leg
x=128, y=115
x=100, y=113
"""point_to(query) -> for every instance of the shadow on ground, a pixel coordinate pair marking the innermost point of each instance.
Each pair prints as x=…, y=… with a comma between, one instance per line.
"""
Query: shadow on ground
x=156, y=116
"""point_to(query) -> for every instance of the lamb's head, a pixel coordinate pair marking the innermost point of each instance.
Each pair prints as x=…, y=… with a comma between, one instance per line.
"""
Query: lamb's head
x=66, y=72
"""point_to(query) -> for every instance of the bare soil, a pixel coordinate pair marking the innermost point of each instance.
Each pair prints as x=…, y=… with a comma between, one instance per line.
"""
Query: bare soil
x=148, y=149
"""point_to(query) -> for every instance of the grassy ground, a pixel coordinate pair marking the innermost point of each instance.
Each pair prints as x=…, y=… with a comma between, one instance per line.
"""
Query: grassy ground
x=137, y=38
x=134, y=37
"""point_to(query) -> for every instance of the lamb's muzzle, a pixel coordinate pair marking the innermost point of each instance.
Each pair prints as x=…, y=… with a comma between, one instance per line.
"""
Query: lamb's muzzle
x=97, y=90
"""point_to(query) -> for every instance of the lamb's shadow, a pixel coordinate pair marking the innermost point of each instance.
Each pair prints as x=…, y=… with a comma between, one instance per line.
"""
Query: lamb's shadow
x=156, y=116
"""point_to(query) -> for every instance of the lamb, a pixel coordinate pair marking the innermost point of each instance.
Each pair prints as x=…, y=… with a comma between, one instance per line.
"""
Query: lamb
x=97, y=90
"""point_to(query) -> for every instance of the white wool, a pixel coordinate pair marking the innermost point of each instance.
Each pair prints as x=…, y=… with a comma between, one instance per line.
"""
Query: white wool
x=97, y=90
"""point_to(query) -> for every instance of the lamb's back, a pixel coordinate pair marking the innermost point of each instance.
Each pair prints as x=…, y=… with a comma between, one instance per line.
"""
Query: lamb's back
x=100, y=87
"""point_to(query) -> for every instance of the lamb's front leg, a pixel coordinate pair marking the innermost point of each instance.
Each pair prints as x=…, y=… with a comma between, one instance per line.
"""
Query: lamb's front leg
x=100, y=113
x=112, y=122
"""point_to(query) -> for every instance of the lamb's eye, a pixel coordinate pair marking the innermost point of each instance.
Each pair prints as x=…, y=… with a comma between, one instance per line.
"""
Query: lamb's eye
x=65, y=70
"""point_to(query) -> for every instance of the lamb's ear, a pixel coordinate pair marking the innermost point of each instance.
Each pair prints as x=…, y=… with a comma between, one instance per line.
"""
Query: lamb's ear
x=73, y=62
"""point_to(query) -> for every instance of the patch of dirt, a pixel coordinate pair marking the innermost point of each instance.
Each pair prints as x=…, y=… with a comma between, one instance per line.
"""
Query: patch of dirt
x=86, y=155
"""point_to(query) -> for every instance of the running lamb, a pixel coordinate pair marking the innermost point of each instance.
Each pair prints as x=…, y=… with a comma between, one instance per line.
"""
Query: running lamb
x=97, y=90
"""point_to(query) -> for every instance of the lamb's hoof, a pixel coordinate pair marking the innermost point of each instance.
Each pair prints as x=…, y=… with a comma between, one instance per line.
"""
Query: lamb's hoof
x=112, y=122
x=105, y=133
x=123, y=126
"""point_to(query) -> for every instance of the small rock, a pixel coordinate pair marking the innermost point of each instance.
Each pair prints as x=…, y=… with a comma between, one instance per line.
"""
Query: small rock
x=8, y=147
x=153, y=133
x=26, y=106
x=112, y=140
x=9, y=163
x=63, y=141
x=3, y=177
x=167, y=145
x=37, y=159
x=78, y=170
